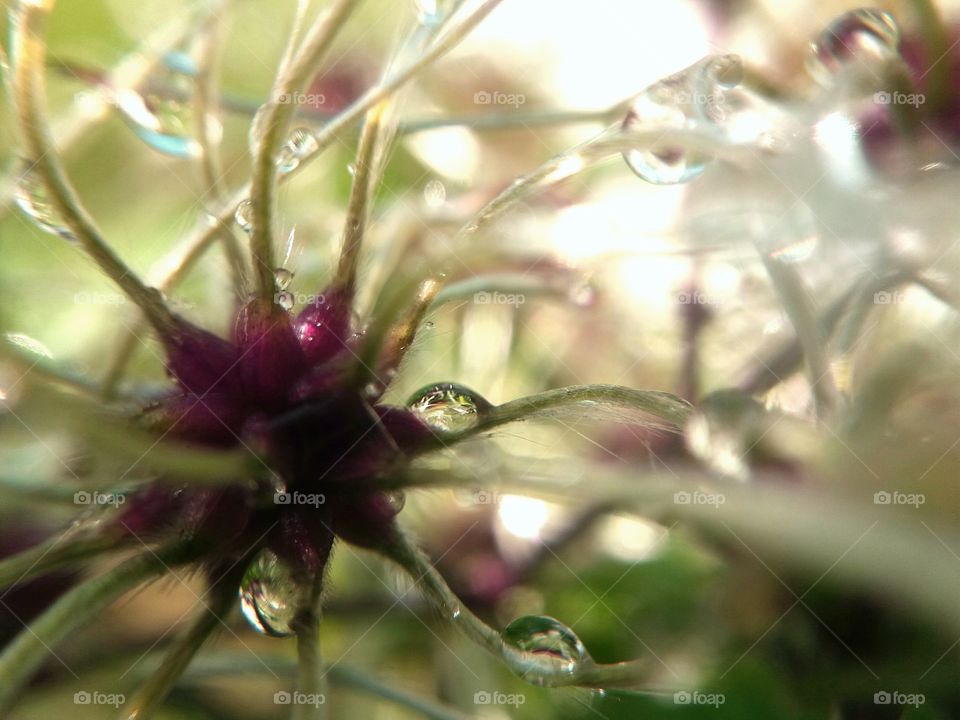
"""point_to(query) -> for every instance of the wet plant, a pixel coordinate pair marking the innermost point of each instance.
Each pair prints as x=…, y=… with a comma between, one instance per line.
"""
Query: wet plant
x=278, y=440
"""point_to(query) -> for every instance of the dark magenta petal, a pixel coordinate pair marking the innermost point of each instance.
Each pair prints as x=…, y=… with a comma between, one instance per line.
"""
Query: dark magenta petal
x=212, y=419
x=271, y=360
x=407, y=430
x=154, y=509
x=323, y=326
x=365, y=520
x=304, y=537
x=200, y=361
x=217, y=517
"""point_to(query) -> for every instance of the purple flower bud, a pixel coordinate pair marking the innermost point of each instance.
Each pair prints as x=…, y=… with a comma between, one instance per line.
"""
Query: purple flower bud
x=270, y=358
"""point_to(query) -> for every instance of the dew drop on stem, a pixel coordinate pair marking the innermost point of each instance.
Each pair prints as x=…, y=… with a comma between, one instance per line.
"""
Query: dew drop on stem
x=448, y=407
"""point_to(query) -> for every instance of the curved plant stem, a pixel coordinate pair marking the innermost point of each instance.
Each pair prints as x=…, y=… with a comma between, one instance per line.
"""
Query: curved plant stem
x=357, y=209
x=527, y=665
x=29, y=53
x=150, y=695
x=585, y=399
x=206, y=106
x=66, y=549
x=271, y=126
x=798, y=305
x=612, y=141
x=311, y=678
x=220, y=665
x=22, y=657
x=355, y=111
x=781, y=363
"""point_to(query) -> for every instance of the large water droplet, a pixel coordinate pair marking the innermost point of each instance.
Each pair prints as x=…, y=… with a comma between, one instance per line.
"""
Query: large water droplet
x=299, y=145
x=865, y=35
x=282, y=277
x=244, y=215
x=538, y=646
x=434, y=193
x=693, y=97
x=31, y=197
x=163, y=119
x=270, y=596
x=448, y=407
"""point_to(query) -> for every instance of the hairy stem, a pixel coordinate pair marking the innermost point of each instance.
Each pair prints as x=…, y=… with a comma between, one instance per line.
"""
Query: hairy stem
x=29, y=53
x=271, y=124
x=23, y=657
x=150, y=695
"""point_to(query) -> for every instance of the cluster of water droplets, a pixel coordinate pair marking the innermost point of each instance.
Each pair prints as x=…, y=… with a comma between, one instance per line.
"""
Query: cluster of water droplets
x=271, y=596
x=448, y=407
x=161, y=112
x=540, y=649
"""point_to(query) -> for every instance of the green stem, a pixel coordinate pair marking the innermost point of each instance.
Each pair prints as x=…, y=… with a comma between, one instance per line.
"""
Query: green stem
x=272, y=124
x=206, y=108
x=215, y=666
x=798, y=305
x=151, y=694
x=23, y=657
x=357, y=210
x=311, y=678
x=527, y=665
x=29, y=53
x=936, y=38
x=65, y=550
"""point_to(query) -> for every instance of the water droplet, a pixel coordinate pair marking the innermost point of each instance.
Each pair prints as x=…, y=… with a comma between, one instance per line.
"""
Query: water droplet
x=434, y=194
x=538, y=646
x=243, y=215
x=583, y=295
x=164, y=119
x=448, y=407
x=31, y=197
x=397, y=500
x=431, y=12
x=270, y=596
x=181, y=62
x=429, y=324
x=865, y=35
x=282, y=277
x=723, y=430
x=299, y=145
x=685, y=100
x=352, y=169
